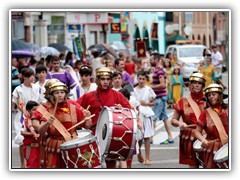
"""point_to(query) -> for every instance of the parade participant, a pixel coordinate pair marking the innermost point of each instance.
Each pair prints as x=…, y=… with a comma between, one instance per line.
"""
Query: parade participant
x=119, y=66
x=217, y=62
x=214, y=120
x=145, y=95
x=130, y=66
x=58, y=112
x=189, y=108
x=160, y=88
x=31, y=141
x=21, y=95
x=41, y=73
x=103, y=96
x=86, y=85
x=169, y=71
x=61, y=74
x=97, y=62
x=117, y=81
x=177, y=84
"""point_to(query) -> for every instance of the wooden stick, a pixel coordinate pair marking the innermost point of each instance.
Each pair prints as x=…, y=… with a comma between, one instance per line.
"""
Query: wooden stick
x=55, y=107
x=191, y=126
x=88, y=107
x=79, y=123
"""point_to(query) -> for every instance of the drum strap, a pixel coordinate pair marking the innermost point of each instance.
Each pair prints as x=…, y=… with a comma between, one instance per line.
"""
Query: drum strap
x=194, y=106
x=57, y=124
x=218, y=123
x=97, y=97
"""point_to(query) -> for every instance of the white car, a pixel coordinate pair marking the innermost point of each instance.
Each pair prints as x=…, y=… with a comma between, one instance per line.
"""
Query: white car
x=188, y=54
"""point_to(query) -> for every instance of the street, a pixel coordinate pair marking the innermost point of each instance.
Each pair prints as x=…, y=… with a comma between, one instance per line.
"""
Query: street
x=162, y=156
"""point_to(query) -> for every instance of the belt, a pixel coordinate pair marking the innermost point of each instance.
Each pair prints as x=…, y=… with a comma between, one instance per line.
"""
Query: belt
x=34, y=145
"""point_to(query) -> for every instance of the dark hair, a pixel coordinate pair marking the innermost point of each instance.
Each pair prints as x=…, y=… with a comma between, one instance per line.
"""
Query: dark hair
x=142, y=73
x=27, y=72
x=167, y=60
x=55, y=58
x=85, y=70
x=116, y=73
x=168, y=54
x=40, y=68
x=68, y=57
x=125, y=92
x=61, y=55
x=30, y=104
x=116, y=62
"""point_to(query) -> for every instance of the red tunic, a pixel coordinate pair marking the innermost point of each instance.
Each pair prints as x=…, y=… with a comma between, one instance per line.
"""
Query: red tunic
x=208, y=125
x=108, y=98
x=130, y=68
x=68, y=114
x=31, y=148
x=184, y=109
x=206, y=122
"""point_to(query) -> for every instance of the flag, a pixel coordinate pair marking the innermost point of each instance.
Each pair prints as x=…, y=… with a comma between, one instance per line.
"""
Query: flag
x=79, y=45
x=75, y=49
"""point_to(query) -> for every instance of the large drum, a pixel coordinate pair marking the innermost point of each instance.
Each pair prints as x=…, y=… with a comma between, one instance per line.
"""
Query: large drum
x=221, y=157
x=116, y=133
x=197, y=146
x=82, y=152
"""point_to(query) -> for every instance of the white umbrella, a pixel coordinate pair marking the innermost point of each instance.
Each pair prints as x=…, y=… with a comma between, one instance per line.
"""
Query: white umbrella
x=45, y=51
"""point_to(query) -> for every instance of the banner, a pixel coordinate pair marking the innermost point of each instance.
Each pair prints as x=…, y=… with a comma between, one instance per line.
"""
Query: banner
x=141, y=49
x=75, y=49
x=79, y=45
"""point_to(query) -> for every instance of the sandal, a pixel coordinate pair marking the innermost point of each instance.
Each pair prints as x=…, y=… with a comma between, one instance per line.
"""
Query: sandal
x=140, y=158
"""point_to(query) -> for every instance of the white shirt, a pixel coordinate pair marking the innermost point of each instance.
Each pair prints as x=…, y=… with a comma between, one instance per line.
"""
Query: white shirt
x=216, y=57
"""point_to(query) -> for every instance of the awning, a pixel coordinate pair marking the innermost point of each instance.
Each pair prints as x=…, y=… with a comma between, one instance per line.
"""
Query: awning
x=136, y=36
x=175, y=38
x=146, y=37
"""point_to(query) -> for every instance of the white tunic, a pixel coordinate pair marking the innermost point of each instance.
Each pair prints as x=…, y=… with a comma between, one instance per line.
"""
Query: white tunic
x=25, y=94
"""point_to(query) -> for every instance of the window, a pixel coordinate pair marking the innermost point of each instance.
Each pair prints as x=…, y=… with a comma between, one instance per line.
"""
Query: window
x=188, y=17
x=93, y=37
x=169, y=16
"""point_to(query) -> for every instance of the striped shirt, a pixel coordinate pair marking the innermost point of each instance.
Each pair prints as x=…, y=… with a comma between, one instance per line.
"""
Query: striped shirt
x=157, y=74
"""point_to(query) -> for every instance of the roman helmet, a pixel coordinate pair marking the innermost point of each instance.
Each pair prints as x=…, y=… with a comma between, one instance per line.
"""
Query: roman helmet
x=58, y=86
x=214, y=88
x=198, y=77
x=49, y=83
x=104, y=71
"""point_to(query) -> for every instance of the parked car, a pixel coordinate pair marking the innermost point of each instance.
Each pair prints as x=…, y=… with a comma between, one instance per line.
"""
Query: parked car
x=188, y=54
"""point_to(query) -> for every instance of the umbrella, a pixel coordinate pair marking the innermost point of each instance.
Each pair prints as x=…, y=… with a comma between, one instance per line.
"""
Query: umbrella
x=22, y=53
x=110, y=49
x=99, y=47
x=119, y=46
x=45, y=51
x=60, y=47
x=19, y=45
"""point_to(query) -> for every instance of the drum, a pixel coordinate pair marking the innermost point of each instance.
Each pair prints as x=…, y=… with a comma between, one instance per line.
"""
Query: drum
x=84, y=133
x=197, y=146
x=82, y=152
x=116, y=132
x=221, y=157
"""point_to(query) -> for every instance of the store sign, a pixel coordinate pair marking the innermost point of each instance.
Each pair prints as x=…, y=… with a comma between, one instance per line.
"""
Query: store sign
x=17, y=15
x=74, y=28
x=115, y=28
x=87, y=18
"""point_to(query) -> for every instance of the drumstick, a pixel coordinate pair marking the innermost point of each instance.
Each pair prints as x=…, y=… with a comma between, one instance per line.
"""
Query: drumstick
x=191, y=126
x=79, y=123
x=55, y=107
x=88, y=107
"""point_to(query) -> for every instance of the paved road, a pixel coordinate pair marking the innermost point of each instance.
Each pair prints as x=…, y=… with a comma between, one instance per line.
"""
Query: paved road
x=162, y=156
